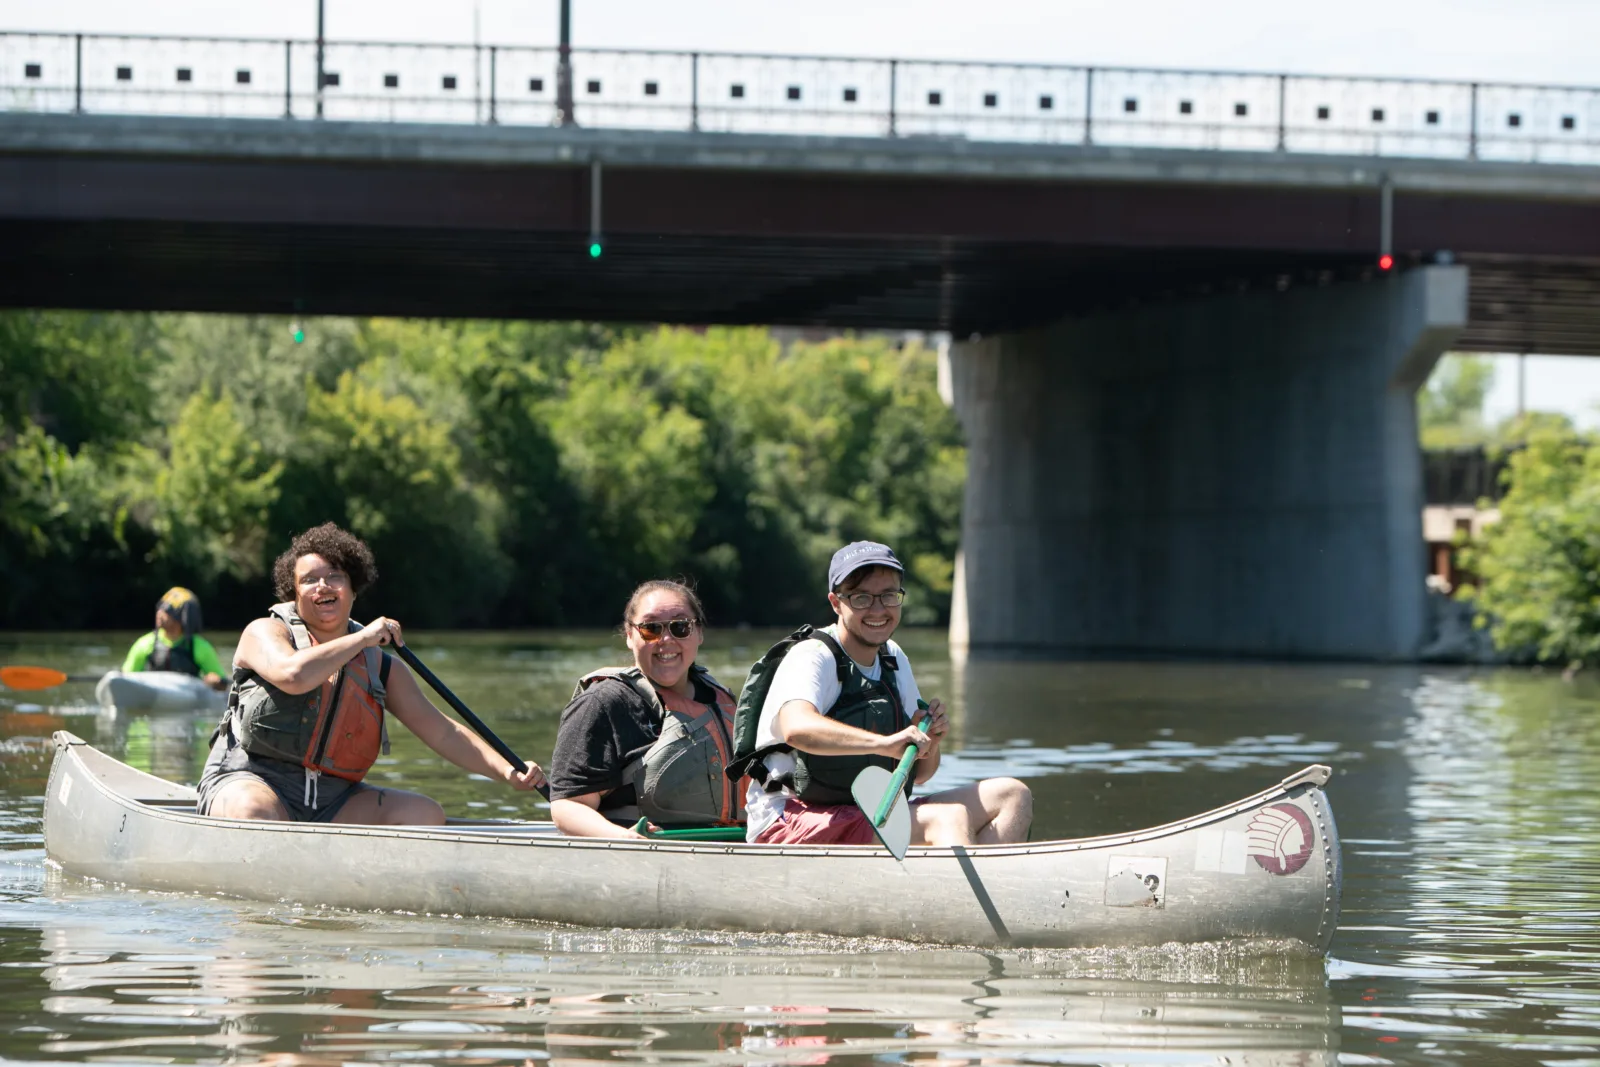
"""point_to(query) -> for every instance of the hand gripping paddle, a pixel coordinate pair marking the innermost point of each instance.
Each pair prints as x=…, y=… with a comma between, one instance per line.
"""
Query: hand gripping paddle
x=880, y=795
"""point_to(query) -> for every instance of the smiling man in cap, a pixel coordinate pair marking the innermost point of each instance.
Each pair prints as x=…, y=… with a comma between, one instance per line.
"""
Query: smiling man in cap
x=822, y=705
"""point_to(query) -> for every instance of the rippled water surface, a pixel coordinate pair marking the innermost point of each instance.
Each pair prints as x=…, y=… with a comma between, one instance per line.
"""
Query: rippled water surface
x=1470, y=933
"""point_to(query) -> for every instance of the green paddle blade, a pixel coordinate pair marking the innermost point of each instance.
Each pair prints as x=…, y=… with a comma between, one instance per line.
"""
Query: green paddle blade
x=876, y=789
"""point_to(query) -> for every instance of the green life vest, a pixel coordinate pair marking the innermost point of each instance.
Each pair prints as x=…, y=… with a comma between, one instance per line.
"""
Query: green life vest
x=678, y=780
x=868, y=705
x=177, y=657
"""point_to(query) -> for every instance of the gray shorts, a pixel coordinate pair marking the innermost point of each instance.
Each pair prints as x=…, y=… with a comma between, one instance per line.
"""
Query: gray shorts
x=319, y=801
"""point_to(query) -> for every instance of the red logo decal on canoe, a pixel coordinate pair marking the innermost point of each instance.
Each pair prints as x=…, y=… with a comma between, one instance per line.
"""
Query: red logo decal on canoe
x=1280, y=838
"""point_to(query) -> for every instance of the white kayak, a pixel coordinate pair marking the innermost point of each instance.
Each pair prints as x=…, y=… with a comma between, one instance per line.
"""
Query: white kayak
x=157, y=691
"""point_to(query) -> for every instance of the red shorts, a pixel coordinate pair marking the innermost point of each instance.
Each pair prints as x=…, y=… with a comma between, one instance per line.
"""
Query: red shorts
x=820, y=824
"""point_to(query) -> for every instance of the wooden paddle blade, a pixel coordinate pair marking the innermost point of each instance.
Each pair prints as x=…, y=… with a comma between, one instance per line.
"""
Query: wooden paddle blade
x=869, y=789
x=31, y=677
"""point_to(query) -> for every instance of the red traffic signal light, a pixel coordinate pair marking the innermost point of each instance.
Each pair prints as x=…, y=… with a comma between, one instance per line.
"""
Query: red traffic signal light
x=1385, y=262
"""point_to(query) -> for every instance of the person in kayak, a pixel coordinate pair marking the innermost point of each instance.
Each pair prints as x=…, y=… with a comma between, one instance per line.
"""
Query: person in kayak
x=651, y=740
x=305, y=719
x=175, y=644
x=822, y=705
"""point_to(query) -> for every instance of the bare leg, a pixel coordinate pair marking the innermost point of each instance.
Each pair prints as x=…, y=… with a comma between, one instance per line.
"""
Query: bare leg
x=247, y=798
x=995, y=811
x=391, y=807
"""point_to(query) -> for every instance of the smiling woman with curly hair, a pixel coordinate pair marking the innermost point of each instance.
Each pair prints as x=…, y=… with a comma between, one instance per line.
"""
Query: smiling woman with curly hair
x=340, y=547
x=305, y=715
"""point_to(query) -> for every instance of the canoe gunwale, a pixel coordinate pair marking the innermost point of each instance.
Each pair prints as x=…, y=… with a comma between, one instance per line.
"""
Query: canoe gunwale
x=1310, y=778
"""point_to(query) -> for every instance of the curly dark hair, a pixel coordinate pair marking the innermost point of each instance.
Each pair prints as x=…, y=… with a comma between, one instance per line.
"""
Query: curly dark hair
x=339, y=547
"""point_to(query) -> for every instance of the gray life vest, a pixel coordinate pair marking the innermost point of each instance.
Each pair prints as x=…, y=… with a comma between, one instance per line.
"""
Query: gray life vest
x=679, y=779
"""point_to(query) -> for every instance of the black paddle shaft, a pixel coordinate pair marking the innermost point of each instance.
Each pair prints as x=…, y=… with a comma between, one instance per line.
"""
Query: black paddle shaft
x=477, y=724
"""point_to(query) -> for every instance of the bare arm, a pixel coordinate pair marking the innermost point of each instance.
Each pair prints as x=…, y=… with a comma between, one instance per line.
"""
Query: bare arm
x=580, y=817
x=449, y=738
x=264, y=647
x=800, y=725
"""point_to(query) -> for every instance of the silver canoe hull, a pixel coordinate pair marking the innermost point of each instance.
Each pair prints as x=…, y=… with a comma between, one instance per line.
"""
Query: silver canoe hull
x=1264, y=869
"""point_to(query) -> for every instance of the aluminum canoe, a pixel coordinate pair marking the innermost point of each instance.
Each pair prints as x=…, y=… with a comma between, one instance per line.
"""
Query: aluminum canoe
x=1264, y=869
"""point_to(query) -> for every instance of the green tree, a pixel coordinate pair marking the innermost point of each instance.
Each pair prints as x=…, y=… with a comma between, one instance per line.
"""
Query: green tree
x=376, y=464
x=1450, y=406
x=75, y=394
x=210, y=494
x=1539, y=566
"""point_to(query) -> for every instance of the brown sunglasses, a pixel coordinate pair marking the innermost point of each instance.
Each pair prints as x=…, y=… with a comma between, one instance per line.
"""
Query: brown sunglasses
x=655, y=631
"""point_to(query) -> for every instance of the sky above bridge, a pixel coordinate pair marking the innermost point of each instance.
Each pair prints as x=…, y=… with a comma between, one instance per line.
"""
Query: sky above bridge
x=1486, y=40
x=1543, y=41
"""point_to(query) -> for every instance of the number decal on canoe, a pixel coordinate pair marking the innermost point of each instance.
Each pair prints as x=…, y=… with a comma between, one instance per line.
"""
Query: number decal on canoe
x=1136, y=882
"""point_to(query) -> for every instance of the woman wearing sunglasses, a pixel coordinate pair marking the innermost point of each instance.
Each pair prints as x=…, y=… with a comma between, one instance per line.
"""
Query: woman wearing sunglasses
x=648, y=740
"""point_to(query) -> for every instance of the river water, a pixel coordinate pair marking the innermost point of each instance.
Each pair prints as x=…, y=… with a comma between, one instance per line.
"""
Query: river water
x=1470, y=930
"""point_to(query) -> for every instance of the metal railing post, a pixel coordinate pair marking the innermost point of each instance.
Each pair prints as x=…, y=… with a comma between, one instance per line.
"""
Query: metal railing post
x=494, y=119
x=894, y=72
x=694, y=91
x=288, y=79
x=321, y=76
x=1472, y=136
x=1088, y=105
x=77, y=80
x=1283, y=85
x=564, y=116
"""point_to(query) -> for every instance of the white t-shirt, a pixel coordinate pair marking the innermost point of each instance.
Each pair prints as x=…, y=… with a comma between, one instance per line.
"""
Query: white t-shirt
x=809, y=672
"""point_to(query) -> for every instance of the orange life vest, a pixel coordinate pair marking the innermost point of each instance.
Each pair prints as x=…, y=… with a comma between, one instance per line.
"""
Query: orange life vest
x=337, y=728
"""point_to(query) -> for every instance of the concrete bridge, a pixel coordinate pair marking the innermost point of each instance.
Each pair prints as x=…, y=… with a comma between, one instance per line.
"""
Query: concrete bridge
x=1187, y=381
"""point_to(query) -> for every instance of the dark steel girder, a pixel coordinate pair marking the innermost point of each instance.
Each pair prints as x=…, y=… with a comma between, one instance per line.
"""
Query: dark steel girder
x=265, y=235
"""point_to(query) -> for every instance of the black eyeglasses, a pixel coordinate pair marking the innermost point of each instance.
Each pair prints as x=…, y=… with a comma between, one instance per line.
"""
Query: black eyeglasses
x=862, y=601
x=654, y=631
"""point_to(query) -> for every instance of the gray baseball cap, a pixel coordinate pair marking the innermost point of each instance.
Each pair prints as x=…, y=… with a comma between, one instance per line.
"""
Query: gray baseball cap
x=858, y=554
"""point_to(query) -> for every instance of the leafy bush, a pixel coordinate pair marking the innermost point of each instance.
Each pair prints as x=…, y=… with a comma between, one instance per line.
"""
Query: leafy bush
x=1539, y=566
x=505, y=473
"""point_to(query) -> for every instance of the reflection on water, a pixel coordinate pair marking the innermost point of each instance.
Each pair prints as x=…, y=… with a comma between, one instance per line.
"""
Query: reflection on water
x=1470, y=932
x=155, y=978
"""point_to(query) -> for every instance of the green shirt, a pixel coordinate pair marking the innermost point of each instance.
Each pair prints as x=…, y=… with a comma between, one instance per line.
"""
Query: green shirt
x=205, y=655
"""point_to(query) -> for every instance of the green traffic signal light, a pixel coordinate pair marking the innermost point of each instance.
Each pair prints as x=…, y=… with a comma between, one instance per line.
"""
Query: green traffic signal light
x=299, y=335
x=594, y=250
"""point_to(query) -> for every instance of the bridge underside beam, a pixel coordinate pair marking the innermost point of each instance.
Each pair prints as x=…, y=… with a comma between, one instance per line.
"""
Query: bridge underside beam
x=257, y=216
x=1237, y=475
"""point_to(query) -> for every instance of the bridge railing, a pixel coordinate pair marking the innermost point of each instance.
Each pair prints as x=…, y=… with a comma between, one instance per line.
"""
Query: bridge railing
x=747, y=93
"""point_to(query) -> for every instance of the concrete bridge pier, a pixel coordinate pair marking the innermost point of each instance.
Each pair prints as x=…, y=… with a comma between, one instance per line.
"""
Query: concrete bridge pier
x=1226, y=475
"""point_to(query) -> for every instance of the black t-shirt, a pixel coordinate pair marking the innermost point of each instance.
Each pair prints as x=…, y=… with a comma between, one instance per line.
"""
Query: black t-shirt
x=605, y=728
